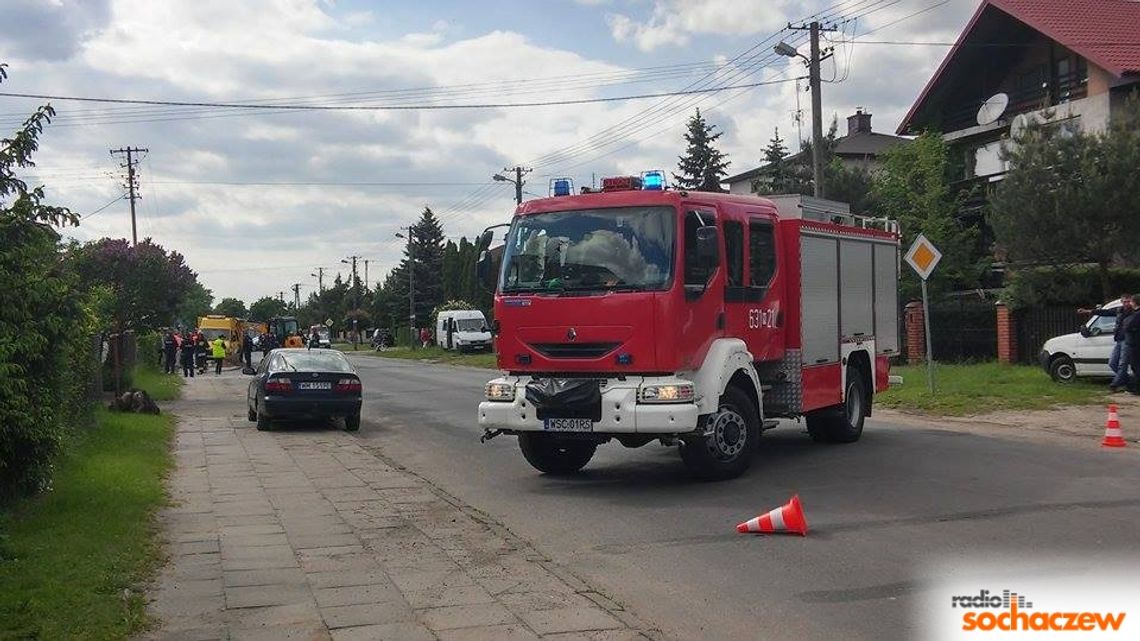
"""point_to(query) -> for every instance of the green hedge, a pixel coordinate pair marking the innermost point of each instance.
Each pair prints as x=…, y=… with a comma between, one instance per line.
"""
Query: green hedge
x=1066, y=286
x=47, y=360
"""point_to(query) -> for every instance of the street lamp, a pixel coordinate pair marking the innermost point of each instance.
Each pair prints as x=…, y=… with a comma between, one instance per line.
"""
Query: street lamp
x=785, y=49
x=411, y=289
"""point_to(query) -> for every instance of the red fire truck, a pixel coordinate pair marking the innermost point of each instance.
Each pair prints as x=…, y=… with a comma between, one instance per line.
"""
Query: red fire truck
x=695, y=319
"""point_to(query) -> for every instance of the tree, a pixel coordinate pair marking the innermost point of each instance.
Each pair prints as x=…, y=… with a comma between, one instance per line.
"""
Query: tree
x=46, y=323
x=426, y=258
x=147, y=283
x=265, y=308
x=196, y=303
x=703, y=166
x=231, y=307
x=914, y=187
x=1071, y=197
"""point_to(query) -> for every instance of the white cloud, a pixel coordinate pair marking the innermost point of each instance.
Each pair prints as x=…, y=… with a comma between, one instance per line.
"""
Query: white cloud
x=673, y=22
x=276, y=49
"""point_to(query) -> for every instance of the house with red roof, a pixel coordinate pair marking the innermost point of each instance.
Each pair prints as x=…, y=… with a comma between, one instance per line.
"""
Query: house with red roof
x=1072, y=62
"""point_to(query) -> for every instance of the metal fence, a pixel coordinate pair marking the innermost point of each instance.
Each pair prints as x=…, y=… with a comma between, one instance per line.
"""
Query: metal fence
x=963, y=329
x=1039, y=324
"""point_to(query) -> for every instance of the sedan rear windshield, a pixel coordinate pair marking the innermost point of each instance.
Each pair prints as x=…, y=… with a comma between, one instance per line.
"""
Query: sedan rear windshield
x=305, y=361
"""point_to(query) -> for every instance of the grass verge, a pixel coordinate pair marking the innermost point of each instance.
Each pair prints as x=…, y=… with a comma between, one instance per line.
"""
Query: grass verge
x=161, y=387
x=484, y=360
x=964, y=390
x=72, y=559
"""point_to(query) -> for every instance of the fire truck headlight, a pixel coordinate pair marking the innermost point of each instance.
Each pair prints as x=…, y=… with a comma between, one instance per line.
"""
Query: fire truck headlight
x=674, y=393
x=500, y=392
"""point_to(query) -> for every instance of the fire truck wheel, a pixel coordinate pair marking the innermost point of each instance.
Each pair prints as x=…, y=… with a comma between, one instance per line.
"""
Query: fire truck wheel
x=843, y=424
x=552, y=455
x=731, y=436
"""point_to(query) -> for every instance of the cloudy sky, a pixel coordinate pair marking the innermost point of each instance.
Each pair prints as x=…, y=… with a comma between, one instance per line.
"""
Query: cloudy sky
x=258, y=199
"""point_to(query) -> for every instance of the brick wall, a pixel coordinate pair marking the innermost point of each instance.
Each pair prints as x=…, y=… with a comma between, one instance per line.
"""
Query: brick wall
x=915, y=332
x=1006, y=335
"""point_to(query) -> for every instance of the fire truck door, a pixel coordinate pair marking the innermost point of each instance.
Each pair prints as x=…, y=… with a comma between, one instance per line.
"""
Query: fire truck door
x=702, y=319
x=751, y=293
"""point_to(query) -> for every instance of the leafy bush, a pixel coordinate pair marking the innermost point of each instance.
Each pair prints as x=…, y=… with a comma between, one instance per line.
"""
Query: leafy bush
x=44, y=323
x=1069, y=286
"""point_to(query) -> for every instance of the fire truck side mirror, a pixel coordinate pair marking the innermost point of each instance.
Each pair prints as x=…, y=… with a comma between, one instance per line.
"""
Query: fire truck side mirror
x=483, y=270
x=708, y=247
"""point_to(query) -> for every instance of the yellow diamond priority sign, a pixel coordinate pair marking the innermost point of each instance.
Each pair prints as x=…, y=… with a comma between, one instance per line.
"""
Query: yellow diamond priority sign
x=923, y=256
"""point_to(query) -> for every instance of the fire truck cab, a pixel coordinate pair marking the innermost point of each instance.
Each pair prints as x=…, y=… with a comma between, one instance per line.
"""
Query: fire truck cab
x=638, y=314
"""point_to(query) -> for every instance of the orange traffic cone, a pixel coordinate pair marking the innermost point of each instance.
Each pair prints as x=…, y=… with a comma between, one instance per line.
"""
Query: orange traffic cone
x=786, y=518
x=1112, y=434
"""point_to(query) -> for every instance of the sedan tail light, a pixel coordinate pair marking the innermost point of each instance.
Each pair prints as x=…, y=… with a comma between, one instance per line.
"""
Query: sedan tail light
x=348, y=386
x=278, y=385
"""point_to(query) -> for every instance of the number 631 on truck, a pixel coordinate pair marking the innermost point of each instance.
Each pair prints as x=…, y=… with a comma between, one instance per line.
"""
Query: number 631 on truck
x=638, y=313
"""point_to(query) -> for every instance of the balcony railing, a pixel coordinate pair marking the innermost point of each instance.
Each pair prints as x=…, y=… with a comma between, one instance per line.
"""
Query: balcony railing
x=1068, y=88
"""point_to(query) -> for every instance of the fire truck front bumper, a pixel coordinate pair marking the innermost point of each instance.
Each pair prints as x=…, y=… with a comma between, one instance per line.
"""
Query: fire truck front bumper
x=638, y=405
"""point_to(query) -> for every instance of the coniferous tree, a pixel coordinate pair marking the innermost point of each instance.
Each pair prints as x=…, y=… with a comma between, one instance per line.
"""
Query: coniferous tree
x=703, y=166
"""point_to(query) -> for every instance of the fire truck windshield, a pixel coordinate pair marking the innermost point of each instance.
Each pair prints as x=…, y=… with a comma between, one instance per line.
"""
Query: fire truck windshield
x=627, y=248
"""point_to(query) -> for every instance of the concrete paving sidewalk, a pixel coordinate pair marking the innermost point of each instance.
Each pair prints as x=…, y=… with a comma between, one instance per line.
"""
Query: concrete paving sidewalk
x=300, y=533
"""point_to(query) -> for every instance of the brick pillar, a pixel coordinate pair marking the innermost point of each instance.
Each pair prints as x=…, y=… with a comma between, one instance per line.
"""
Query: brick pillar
x=915, y=333
x=1006, y=335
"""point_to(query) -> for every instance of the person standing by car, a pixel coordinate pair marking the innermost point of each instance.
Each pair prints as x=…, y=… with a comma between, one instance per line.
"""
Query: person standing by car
x=1121, y=357
x=1132, y=345
x=314, y=338
x=247, y=350
x=425, y=336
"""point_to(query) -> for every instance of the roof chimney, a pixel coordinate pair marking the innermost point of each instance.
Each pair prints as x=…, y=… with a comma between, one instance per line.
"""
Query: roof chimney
x=860, y=123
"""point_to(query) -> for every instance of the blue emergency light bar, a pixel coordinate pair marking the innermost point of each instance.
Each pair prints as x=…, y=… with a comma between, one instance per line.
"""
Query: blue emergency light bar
x=561, y=186
x=653, y=180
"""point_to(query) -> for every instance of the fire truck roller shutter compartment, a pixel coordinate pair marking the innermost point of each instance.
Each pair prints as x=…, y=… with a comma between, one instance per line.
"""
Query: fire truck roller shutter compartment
x=886, y=299
x=819, y=299
x=856, y=279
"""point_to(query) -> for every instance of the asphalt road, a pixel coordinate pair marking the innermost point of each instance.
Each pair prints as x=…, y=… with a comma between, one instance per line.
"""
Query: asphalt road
x=883, y=513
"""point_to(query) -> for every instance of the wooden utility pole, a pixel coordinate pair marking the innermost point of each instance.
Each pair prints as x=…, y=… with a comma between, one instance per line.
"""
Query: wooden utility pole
x=320, y=279
x=132, y=183
x=816, y=104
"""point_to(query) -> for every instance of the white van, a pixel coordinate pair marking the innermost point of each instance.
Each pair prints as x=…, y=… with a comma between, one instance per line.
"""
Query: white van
x=1084, y=353
x=464, y=330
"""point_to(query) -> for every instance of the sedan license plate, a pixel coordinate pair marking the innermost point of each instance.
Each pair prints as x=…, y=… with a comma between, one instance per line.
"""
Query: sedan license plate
x=568, y=425
x=314, y=385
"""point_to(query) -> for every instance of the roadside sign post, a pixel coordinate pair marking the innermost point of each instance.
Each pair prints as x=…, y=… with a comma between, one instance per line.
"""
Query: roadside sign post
x=923, y=257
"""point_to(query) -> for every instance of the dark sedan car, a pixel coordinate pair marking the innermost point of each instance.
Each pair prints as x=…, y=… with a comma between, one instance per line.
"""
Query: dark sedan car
x=304, y=383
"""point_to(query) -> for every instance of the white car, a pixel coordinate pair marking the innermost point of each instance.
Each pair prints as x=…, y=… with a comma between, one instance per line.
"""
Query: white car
x=1083, y=353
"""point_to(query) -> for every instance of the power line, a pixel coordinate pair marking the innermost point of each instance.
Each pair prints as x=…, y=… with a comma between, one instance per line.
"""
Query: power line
x=420, y=107
x=109, y=203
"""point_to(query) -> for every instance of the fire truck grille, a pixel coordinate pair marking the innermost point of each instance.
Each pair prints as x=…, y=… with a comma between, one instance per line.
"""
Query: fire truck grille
x=574, y=350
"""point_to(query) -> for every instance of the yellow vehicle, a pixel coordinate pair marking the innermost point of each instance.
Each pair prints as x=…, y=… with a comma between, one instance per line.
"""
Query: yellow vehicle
x=228, y=327
x=286, y=330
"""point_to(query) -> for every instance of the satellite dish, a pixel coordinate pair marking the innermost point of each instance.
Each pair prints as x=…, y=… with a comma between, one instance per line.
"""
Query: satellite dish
x=1020, y=122
x=993, y=108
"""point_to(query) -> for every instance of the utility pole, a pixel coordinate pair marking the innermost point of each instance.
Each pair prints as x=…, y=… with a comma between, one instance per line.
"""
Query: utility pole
x=517, y=181
x=132, y=183
x=355, y=289
x=816, y=100
x=296, y=296
x=411, y=287
x=281, y=296
x=320, y=275
x=365, y=274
